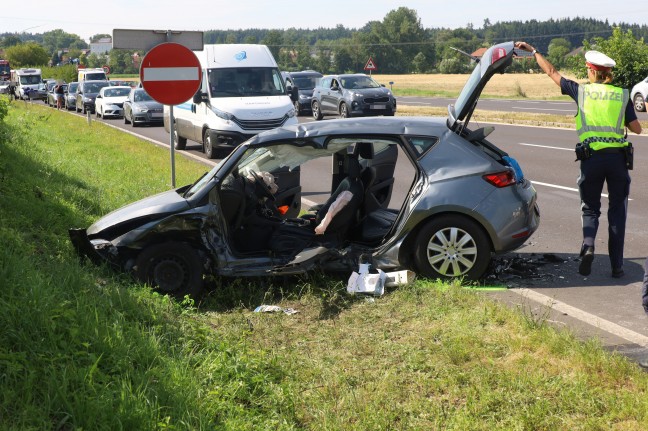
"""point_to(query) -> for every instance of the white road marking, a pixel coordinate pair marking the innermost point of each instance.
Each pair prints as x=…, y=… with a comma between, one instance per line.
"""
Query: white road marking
x=584, y=316
x=546, y=146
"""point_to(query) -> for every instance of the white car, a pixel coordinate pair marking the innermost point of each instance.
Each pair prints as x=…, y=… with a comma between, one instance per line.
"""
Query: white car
x=110, y=101
x=638, y=95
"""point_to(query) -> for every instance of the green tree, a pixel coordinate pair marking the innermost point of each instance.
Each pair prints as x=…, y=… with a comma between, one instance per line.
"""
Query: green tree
x=96, y=37
x=557, y=51
x=27, y=54
x=274, y=40
x=56, y=40
x=630, y=54
x=10, y=40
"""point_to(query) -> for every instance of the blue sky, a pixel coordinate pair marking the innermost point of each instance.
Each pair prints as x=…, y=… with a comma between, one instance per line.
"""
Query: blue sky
x=89, y=18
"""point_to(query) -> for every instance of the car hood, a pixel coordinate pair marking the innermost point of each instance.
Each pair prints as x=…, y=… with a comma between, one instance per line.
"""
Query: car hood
x=371, y=92
x=120, y=99
x=142, y=211
x=495, y=60
x=148, y=105
x=92, y=96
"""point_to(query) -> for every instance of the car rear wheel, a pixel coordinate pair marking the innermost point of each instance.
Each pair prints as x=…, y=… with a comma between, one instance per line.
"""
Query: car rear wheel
x=317, y=113
x=179, y=141
x=297, y=109
x=344, y=110
x=452, y=246
x=639, y=103
x=172, y=268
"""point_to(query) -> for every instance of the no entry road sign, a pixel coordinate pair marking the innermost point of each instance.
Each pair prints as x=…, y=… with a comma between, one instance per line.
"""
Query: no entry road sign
x=170, y=73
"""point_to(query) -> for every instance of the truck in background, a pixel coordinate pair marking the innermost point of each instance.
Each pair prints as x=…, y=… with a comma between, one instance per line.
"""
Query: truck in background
x=5, y=70
x=241, y=94
x=95, y=74
x=27, y=84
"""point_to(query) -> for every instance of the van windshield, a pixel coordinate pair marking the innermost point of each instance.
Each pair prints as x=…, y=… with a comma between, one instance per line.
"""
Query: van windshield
x=99, y=76
x=30, y=79
x=245, y=82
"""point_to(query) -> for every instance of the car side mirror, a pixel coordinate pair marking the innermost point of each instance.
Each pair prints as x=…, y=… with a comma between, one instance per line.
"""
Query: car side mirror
x=200, y=97
x=98, y=96
x=294, y=93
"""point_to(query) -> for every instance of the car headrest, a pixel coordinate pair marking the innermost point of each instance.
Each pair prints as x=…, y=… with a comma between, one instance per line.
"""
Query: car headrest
x=364, y=150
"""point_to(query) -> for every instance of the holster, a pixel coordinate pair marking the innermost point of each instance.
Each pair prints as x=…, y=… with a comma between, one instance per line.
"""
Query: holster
x=629, y=156
x=583, y=151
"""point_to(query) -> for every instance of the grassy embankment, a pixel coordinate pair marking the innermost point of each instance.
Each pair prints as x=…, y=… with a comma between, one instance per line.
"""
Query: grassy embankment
x=83, y=347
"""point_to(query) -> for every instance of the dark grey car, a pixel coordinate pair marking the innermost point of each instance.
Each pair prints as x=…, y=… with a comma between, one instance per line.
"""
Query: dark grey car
x=305, y=81
x=467, y=200
x=87, y=93
x=140, y=109
x=70, y=96
x=351, y=95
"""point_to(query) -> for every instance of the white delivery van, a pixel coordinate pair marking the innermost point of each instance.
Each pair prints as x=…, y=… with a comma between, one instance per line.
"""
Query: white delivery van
x=27, y=83
x=241, y=94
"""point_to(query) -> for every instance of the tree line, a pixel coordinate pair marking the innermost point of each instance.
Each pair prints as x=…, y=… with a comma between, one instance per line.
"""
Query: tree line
x=398, y=44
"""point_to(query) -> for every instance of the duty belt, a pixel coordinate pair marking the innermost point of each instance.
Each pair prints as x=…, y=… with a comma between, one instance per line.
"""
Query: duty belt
x=593, y=139
x=610, y=150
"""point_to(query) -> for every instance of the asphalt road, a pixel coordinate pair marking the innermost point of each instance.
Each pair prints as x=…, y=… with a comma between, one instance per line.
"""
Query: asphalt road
x=542, y=276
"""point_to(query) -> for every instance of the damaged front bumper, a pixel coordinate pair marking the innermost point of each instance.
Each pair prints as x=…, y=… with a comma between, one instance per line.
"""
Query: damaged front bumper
x=98, y=251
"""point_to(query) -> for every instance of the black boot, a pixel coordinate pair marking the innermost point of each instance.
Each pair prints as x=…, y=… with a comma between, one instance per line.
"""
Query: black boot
x=587, y=257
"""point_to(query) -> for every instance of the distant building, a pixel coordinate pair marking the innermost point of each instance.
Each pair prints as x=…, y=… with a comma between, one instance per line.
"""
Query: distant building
x=101, y=46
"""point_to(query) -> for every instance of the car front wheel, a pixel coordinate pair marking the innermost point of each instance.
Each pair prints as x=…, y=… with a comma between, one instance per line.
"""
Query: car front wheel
x=452, y=246
x=173, y=267
x=344, y=110
x=208, y=145
x=317, y=113
x=179, y=141
x=639, y=103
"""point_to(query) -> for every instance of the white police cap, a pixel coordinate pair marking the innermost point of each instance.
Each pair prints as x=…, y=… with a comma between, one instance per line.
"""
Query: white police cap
x=599, y=59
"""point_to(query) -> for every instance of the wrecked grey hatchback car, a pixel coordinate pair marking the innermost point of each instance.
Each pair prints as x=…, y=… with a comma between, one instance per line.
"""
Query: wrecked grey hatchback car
x=466, y=199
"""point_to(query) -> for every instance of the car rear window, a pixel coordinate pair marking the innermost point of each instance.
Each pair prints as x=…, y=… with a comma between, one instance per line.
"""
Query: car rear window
x=422, y=144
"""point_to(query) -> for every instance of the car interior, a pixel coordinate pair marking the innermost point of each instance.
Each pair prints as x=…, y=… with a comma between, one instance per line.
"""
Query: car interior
x=256, y=224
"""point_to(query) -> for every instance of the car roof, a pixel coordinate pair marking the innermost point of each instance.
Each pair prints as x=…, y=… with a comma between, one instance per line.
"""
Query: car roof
x=361, y=126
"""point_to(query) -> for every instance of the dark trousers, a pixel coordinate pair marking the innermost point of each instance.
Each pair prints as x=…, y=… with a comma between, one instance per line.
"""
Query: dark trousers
x=644, y=289
x=607, y=168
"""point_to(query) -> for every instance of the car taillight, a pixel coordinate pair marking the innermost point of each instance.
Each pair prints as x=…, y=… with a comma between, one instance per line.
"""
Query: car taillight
x=497, y=54
x=501, y=179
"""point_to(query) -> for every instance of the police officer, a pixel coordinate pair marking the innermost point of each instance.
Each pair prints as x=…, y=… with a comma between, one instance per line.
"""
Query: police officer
x=603, y=111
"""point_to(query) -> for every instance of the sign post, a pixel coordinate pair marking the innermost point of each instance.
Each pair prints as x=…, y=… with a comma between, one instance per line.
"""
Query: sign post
x=171, y=74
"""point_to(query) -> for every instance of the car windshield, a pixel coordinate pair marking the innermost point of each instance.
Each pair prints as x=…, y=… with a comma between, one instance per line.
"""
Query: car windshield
x=30, y=79
x=72, y=88
x=141, y=96
x=306, y=82
x=94, y=87
x=354, y=82
x=117, y=92
x=245, y=82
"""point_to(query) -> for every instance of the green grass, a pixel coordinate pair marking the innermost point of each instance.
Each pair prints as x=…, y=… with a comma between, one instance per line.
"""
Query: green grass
x=86, y=348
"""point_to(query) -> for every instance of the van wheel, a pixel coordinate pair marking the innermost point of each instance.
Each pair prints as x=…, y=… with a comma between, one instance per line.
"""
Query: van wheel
x=179, y=141
x=452, y=246
x=344, y=110
x=317, y=112
x=208, y=146
x=173, y=267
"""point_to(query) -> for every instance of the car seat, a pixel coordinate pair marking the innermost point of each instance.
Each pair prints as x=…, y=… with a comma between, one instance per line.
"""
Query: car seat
x=349, y=216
